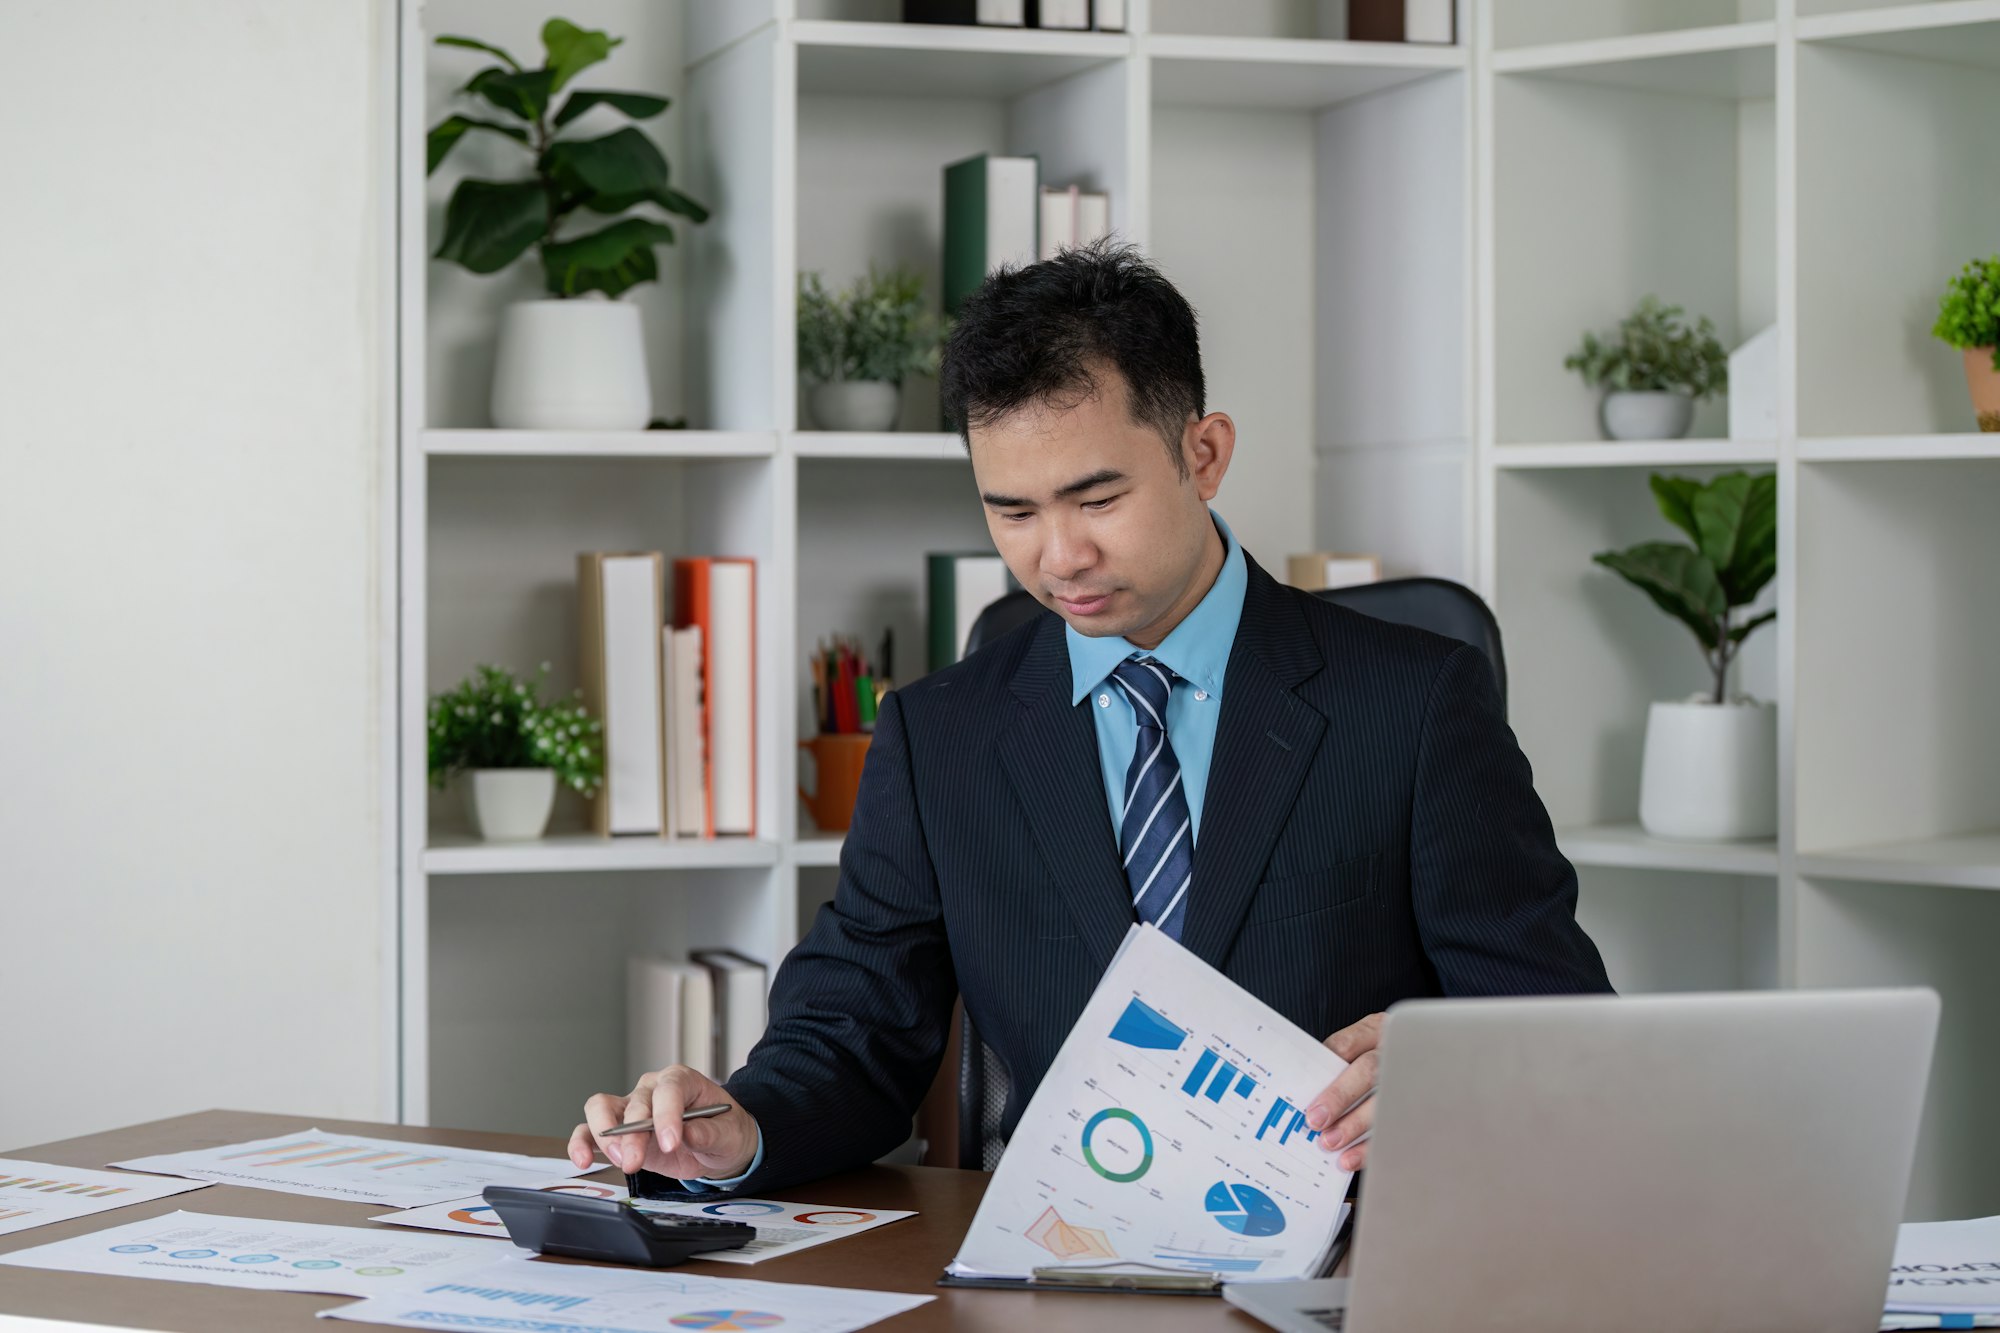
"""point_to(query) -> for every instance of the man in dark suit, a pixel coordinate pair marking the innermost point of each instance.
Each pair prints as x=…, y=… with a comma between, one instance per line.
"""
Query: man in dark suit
x=1328, y=808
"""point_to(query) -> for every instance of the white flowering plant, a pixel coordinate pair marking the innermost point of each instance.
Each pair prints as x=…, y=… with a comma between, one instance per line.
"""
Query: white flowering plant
x=492, y=720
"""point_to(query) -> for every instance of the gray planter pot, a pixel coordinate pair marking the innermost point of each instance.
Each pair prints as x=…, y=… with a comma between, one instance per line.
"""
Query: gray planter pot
x=865, y=405
x=1645, y=415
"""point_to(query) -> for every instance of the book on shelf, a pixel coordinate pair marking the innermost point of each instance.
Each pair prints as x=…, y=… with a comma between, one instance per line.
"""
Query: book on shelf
x=1320, y=570
x=669, y=1016
x=958, y=587
x=718, y=596
x=991, y=217
x=1069, y=15
x=739, y=1006
x=687, y=782
x=1108, y=15
x=982, y=13
x=619, y=596
x=1072, y=216
x=1431, y=22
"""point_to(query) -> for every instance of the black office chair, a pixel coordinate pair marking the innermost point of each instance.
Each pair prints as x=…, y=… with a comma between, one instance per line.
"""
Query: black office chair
x=1438, y=605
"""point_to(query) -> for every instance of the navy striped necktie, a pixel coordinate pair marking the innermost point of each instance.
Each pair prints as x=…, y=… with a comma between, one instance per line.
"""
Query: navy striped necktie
x=1155, y=832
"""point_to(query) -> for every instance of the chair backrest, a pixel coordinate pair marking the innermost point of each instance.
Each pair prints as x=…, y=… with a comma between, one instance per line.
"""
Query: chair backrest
x=1437, y=605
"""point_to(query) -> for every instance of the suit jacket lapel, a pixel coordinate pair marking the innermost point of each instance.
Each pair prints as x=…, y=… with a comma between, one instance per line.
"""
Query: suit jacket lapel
x=1050, y=755
x=1264, y=744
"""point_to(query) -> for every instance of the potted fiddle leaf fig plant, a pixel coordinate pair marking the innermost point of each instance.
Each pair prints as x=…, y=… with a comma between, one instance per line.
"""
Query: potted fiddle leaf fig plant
x=1652, y=371
x=575, y=359
x=858, y=345
x=1710, y=770
x=1969, y=319
x=515, y=749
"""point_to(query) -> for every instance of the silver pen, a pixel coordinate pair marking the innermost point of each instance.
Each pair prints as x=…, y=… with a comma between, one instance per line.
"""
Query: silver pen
x=698, y=1113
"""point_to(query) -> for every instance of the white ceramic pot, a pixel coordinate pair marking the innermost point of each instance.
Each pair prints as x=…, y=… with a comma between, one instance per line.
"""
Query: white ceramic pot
x=870, y=405
x=511, y=804
x=1711, y=771
x=1645, y=415
x=571, y=365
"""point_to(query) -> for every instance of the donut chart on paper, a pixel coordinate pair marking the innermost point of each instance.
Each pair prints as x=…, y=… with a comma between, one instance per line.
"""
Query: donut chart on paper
x=834, y=1217
x=721, y=1320
x=743, y=1208
x=1118, y=1115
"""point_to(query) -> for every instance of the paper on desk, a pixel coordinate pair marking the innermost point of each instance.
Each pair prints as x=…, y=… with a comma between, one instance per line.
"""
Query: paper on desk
x=1169, y=1132
x=34, y=1194
x=782, y=1228
x=257, y=1252
x=517, y=1292
x=1946, y=1268
x=361, y=1170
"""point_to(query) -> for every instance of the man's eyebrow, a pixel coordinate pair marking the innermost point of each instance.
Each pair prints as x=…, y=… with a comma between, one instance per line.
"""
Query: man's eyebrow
x=1101, y=477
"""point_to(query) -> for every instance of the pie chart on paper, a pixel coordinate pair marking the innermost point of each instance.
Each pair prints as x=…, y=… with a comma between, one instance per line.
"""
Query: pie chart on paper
x=1244, y=1209
x=720, y=1320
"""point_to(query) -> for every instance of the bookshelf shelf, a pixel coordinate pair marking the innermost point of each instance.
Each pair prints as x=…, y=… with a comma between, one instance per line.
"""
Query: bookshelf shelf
x=1731, y=61
x=1628, y=846
x=1965, y=32
x=1965, y=861
x=817, y=849
x=589, y=853
x=900, y=447
x=1638, y=453
x=598, y=444
x=1285, y=73
x=1900, y=448
x=924, y=60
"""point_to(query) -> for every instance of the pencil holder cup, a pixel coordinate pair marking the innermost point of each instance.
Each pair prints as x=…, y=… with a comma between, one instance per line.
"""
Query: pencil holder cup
x=837, y=761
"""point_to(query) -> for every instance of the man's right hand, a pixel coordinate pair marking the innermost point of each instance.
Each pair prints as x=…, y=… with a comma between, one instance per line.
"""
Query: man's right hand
x=718, y=1147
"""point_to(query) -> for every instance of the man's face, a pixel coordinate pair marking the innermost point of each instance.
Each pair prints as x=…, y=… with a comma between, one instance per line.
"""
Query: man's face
x=1092, y=516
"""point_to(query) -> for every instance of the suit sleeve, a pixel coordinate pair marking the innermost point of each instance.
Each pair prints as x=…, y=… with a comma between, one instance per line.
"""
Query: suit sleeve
x=1495, y=900
x=861, y=1009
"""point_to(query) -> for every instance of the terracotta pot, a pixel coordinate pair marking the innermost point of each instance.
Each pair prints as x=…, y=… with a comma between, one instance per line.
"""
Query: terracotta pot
x=1984, y=381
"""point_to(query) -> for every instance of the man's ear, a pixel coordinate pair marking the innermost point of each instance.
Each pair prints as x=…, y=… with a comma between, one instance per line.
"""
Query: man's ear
x=1208, y=445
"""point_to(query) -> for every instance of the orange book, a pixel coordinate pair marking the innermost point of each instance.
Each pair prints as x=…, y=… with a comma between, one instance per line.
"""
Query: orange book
x=719, y=595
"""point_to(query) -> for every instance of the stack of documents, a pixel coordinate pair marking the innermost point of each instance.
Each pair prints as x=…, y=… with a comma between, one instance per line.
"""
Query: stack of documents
x=1169, y=1137
x=1945, y=1275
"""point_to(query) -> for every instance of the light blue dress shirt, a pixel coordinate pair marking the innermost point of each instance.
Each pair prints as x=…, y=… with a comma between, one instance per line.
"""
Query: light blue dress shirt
x=1197, y=650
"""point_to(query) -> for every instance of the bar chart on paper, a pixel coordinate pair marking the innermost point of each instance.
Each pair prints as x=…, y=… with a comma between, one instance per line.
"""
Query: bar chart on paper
x=343, y=1166
x=1168, y=1132
x=34, y=1194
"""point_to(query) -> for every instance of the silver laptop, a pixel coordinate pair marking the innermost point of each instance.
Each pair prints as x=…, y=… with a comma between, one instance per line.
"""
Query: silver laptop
x=1721, y=1162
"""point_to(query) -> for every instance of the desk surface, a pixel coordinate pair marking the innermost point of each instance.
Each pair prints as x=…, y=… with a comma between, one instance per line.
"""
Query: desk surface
x=903, y=1256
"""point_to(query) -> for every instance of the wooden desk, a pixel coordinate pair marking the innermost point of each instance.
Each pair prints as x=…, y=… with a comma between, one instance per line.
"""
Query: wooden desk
x=903, y=1256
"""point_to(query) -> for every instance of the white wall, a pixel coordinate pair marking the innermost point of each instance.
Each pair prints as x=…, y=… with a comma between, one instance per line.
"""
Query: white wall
x=193, y=384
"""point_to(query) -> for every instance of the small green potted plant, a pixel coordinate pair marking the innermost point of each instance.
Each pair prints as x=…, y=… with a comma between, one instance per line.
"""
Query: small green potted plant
x=1653, y=371
x=1710, y=770
x=1969, y=319
x=858, y=345
x=515, y=748
x=577, y=359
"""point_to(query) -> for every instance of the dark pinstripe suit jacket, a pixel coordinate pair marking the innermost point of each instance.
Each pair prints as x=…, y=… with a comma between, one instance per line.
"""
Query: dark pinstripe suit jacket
x=1370, y=832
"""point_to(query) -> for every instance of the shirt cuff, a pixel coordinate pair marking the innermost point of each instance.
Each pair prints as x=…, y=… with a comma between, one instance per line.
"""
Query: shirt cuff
x=703, y=1184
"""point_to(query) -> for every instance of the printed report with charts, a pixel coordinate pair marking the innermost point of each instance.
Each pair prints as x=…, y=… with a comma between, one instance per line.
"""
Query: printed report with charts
x=1169, y=1135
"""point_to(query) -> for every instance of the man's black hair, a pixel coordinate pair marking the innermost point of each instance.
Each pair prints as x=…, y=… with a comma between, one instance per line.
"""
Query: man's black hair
x=1031, y=336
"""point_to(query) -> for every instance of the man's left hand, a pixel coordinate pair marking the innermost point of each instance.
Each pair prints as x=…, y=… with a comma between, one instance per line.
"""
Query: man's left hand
x=1334, y=1113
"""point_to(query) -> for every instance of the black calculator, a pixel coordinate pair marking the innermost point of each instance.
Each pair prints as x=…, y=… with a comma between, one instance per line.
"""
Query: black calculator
x=608, y=1230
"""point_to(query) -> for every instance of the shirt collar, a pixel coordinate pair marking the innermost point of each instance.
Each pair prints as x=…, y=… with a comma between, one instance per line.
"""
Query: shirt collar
x=1196, y=650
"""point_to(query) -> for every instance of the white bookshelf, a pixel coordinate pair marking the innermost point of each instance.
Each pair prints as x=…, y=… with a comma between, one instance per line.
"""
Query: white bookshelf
x=1392, y=249
x=1739, y=158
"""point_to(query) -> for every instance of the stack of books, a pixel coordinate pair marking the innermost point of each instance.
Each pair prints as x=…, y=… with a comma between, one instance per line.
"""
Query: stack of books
x=677, y=696
x=997, y=211
x=705, y=1012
